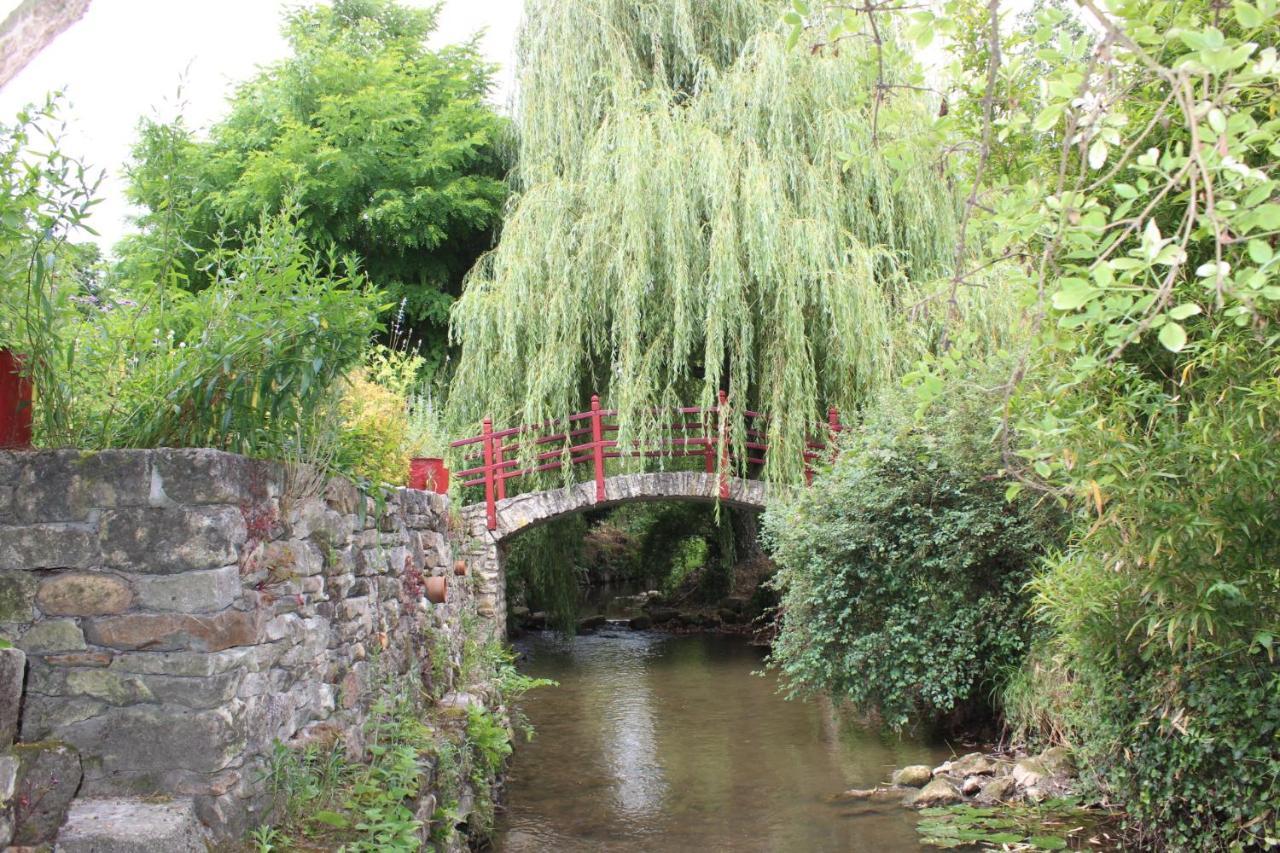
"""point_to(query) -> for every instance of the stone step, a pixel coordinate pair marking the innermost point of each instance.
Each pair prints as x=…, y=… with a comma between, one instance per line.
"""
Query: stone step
x=126, y=825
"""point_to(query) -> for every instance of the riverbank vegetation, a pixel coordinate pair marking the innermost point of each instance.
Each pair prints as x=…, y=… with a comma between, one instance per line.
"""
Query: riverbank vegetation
x=1143, y=403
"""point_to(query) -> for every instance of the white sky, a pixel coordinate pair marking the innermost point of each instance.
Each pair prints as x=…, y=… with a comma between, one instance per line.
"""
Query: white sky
x=125, y=59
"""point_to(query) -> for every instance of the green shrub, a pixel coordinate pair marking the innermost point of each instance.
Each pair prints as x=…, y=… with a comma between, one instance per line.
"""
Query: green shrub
x=902, y=568
x=371, y=443
x=244, y=365
x=1165, y=608
x=1192, y=747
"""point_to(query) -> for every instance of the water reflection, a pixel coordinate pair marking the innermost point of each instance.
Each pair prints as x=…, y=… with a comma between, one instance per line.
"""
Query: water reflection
x=668, y=743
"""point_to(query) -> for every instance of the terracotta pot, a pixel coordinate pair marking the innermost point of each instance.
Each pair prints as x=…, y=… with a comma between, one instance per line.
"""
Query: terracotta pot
x=429, y=474
x=15, y=402
x=459, y=567
x=437, y=589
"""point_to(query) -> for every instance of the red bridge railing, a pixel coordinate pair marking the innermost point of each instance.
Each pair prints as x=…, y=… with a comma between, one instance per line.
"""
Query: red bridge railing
x=586, y=438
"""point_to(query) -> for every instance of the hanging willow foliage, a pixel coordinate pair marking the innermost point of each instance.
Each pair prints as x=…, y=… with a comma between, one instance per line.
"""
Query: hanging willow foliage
x=697, y=208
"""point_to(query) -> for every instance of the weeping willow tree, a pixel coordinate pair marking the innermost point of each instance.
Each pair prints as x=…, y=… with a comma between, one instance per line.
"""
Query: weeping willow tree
x=698, y=208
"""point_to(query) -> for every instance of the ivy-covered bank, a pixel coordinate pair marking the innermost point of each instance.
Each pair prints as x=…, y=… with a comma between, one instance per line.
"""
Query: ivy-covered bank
x=219, y=649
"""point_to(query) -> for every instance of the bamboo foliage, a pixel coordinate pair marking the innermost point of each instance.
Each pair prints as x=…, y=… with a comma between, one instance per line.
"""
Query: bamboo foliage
x=697, y=208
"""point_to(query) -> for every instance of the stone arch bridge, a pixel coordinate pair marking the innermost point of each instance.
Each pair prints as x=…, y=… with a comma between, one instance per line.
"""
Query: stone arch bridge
x=587, y=438
x=525, y=511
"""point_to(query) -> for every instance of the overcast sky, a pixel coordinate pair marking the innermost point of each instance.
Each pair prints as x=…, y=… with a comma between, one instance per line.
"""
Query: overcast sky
x=126, y=59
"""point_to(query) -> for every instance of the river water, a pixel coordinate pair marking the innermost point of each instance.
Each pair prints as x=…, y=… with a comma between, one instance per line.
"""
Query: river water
x=654, y=742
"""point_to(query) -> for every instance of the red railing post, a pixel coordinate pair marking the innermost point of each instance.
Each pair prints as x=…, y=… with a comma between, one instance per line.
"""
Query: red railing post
x=500, y=470
x=597, y=445
x=724, y=444
x=491, y=508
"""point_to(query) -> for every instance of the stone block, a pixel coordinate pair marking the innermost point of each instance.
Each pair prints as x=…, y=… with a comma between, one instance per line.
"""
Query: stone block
x=189, y=592
x=84, y=594
x=202, y=693
x=107, y=685
x=157, y=738
x=78, y=659
x=190, y=664
x=47, y=778
x=204, y=476
x=8, y=776
x=68, y=485
x=48, y=546
x=162, y=540
x=45, y=716
x=13, y=665
x=53, y=635
x=17, y=596
x=121, y=825
x=291, y=558
x=176, y=631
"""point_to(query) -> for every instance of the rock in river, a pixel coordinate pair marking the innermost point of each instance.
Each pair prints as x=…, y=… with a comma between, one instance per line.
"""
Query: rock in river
x=939, y=792
x=913, y=776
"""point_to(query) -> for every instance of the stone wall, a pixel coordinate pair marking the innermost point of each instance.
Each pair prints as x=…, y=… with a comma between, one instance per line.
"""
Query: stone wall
x=183, y=610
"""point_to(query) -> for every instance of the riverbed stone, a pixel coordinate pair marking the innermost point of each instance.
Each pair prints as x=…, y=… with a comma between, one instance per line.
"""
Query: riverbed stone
x=999, y=790
x=126, y=825
x=972, y=785
x=880, y=792
x=82, y=594
x=13, y=663
x=1029, y=772
x=53, y=635
x=48, y=776
x=973, y=764
x=459, y=703
x=913, y=776
x=939, y=792
x=1058, y=761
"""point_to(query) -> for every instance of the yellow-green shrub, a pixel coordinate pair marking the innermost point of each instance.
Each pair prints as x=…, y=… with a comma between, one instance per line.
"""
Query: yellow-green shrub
x=371, y=443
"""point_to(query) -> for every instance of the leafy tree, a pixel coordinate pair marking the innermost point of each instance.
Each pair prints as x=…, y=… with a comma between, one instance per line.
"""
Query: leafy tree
x=700, y=209
x=388, y=148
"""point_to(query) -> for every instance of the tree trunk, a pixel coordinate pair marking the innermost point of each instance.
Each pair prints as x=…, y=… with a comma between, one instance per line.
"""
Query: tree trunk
x=30, y=28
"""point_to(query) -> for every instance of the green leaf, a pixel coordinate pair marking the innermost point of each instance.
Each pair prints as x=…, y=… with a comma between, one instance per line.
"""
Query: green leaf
x=1073, y=294
x=793, y=19
x=1048, y=842
x=1173, y=336
x=1247, y=14
x=331, y=819
x=1259, y=251
x=1185, y=310
x=1048, y=117
x=1097, y=154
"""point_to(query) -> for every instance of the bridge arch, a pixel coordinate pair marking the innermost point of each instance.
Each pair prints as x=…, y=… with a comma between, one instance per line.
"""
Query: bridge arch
x=486, y=552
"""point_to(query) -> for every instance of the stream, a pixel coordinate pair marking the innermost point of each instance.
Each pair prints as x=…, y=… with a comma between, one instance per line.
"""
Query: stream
x=657, y=742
